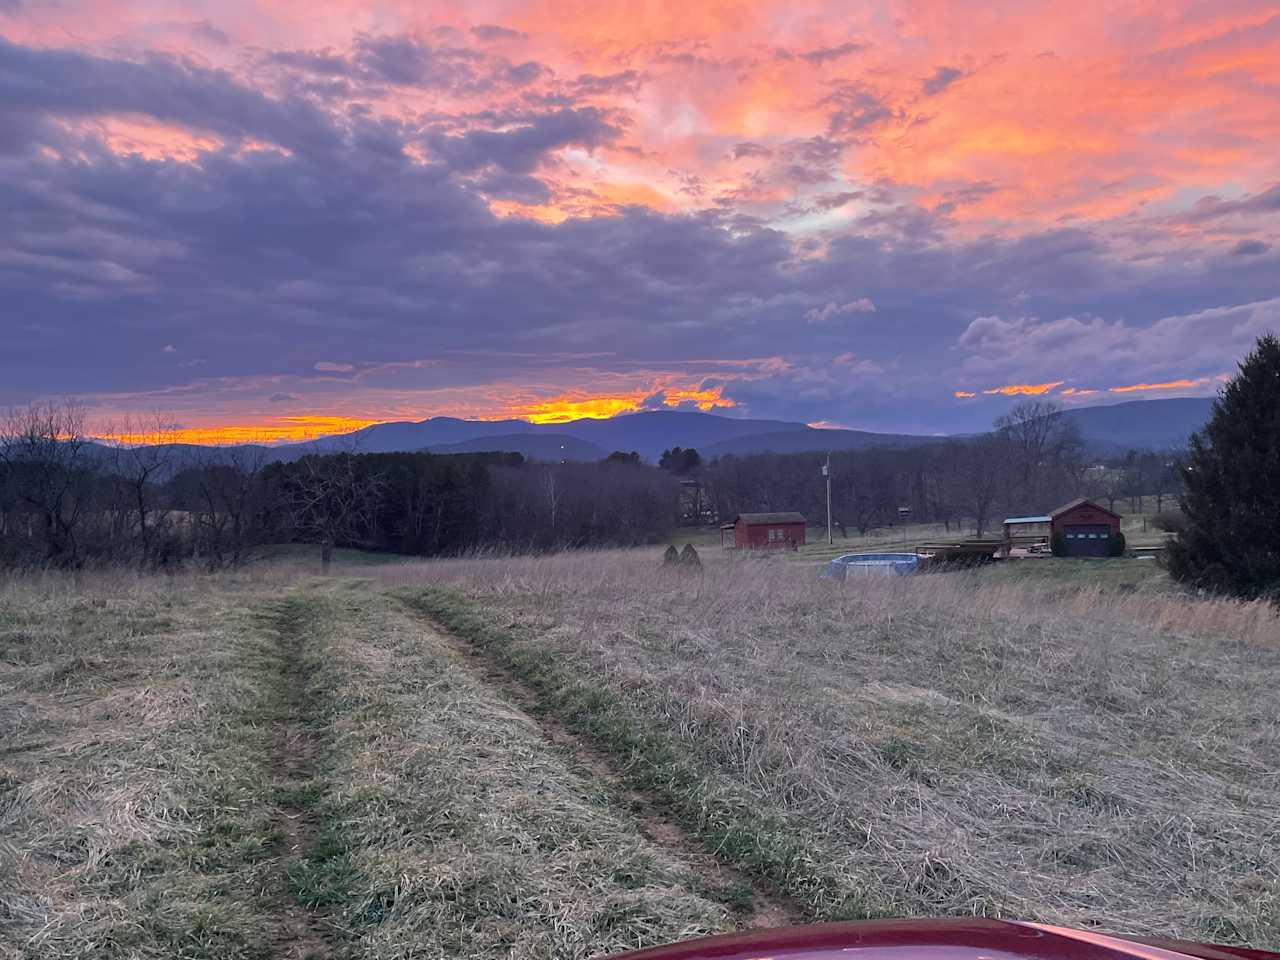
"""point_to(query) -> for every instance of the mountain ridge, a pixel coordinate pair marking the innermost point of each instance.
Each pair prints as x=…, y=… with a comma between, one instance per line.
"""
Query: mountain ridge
x=1107, y=430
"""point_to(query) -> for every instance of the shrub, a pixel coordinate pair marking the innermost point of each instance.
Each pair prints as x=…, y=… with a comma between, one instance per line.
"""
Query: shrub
x=1170, y=521
x=1115, y=547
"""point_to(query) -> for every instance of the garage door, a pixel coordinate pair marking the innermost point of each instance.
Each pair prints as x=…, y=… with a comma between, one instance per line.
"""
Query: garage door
x=1086, y=540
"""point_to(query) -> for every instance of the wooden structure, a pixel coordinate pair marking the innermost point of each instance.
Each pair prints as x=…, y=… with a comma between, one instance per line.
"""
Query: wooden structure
x=1086, y=528
x=970, y=550
x=766, y=531
x=1030, y=533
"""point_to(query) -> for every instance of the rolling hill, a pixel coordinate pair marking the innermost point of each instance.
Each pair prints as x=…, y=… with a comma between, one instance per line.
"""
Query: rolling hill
x=1141, y=424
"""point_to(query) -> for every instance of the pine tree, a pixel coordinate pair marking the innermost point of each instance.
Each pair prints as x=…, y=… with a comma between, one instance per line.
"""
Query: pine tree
x=1232, y=502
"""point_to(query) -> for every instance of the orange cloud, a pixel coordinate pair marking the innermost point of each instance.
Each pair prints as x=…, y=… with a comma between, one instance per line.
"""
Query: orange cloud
x=575, y=405
x=704, y=400
x=1077, y=392
x=1024, y=389
x=963, y=394
x=1127, y=107
x=1167, y=385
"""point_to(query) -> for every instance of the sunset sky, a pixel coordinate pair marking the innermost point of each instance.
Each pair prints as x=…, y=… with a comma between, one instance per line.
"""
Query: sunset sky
x=272, y=218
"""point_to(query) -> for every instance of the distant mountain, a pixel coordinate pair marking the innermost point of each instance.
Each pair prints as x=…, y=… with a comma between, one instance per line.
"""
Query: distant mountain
x=647, y=433
x=809, y=439
x=652, y=432
x=1136, y=424
x=1141, y=424
x=547, y=447
x=406, y=436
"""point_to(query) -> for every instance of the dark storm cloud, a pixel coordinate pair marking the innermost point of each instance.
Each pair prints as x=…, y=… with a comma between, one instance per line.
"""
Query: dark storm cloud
x=855, y=108
x=748, y=149
x=405, y=61
x=1250, y=248
x=1213, y=208
x=941, y=79
x=964, y=196
x=821, y=55
x=519, y=148
x=39, y=83
x=594, y=85
x=514, y=186
x=491, y=31
x=204, y=30
x=399, y=60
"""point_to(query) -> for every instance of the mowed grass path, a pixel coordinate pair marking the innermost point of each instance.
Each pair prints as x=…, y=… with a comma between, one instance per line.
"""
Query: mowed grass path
x=271, y=766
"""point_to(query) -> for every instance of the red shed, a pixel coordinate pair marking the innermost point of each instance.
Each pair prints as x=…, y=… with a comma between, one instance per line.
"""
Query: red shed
x=1086, y=528
x=763, y=531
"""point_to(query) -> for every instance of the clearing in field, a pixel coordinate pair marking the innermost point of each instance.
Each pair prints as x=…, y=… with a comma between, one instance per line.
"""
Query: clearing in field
x=575, y=755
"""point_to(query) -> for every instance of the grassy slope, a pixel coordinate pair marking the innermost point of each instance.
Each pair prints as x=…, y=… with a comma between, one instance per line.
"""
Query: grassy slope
x=945, y=745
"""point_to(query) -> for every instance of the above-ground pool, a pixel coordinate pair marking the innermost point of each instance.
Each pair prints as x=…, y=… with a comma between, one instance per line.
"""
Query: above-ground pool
x=852, y=564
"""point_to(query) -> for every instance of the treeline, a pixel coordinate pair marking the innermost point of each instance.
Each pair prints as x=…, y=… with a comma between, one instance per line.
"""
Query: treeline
x=1031, y=462
x=66, y=500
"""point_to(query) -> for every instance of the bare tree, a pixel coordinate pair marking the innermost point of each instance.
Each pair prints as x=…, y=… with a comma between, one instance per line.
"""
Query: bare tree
x=331, y=501
x=1042, y=444
x=228, y=482
x=982, y=462
x=553, y=490
x=144, y=457
x=46, y=458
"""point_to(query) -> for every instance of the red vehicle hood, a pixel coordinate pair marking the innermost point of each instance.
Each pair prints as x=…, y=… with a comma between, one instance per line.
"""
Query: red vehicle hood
x=974, y=939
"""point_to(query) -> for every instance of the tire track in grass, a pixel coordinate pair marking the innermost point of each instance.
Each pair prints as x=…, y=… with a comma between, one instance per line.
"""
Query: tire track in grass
x=755, y=896
x=304, y=932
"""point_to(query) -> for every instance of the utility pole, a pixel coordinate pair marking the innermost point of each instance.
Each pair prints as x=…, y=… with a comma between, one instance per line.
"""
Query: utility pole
x=826, y=472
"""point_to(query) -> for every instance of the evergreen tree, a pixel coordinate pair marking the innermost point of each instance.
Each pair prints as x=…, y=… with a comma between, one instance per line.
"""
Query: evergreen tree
x=1232, y=502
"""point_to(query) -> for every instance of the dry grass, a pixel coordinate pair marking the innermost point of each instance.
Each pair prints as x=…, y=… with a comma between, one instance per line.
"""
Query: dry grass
x=950, y=744
x=131, y=822
x=267, y=765
x=229, y=766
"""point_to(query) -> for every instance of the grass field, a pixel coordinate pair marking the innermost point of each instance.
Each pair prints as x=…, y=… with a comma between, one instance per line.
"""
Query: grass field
x=569, y=756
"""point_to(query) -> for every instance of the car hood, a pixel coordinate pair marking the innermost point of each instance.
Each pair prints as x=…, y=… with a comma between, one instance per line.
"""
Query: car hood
x=974, y=939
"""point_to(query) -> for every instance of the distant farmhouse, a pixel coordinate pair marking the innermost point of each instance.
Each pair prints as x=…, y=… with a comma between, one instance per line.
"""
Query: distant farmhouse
x=766, y=531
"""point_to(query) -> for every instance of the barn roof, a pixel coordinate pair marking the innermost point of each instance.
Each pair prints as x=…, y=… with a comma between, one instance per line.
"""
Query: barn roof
x=755, y=519
x=1028, y=520
x=1080, y=502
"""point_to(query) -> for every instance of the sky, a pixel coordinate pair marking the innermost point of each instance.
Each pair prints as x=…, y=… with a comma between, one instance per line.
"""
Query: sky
x=269, y=219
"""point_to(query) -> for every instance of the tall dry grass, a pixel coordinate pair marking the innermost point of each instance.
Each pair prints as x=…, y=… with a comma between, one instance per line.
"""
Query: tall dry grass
x=956, y=746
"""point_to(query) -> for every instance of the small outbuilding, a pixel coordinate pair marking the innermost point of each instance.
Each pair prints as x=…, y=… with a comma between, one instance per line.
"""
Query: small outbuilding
x=767, y=531
x=1086, y=528
x=1028, y=533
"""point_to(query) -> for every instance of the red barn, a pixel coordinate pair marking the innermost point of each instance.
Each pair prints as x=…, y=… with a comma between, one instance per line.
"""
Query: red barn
x=764, y=531
x=1085, y=527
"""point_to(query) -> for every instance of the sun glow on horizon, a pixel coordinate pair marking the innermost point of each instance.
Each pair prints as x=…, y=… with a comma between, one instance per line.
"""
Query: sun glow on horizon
x=297, y=429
